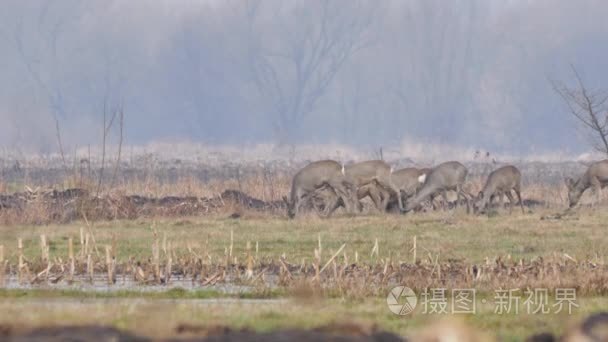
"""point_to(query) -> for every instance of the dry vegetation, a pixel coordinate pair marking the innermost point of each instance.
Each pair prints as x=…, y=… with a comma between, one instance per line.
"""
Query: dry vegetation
x=183, y=231
x=188, y=193
x=262, y=258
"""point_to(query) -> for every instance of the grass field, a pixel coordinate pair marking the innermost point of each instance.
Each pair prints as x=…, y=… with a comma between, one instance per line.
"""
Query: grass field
x=447, y=234
x=439, y=237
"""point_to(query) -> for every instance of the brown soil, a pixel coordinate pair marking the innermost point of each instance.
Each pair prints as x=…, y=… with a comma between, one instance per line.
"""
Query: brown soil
x=593, y=328
x=75, y=204
x=338, y=333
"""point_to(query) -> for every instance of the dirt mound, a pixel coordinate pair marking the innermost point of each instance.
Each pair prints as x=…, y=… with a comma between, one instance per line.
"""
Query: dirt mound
x=593, y=328
x=202, y=334
x=70, y=333
x=71, y=204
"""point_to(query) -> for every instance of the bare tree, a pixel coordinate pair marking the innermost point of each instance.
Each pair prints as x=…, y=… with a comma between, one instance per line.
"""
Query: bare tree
x=589, y=107
x=53, y=92
x=435, y=50
x=110, y=115
x=294, y=69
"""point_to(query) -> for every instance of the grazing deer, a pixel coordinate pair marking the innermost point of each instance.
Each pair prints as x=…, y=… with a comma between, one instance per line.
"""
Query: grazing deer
x=374, y=172
x=406, y=181
x=500, y=182
x=445, y=177
x=314, y=176
x=409, y=180
x=326, y=201
x=596, y=176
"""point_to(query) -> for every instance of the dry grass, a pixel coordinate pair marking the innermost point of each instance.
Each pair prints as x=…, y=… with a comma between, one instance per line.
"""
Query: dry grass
x=265, y=186
x=451, y=249
x=272, y=256
x=262, y=186
x=567, y=252
x=160, y=318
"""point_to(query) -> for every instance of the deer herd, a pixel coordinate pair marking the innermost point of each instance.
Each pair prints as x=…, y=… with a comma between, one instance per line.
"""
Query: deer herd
x=327, y=185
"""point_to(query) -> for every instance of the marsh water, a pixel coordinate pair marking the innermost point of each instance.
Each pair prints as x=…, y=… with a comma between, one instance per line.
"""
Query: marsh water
x=99, y=283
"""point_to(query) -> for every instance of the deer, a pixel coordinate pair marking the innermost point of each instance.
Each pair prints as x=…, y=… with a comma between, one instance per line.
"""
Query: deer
x=314, y=176
x=326, y=198
x=500, y=182
x=408, y=181
x=596, y=176
x=378, y=173
x=444, y=177
x=370, y=181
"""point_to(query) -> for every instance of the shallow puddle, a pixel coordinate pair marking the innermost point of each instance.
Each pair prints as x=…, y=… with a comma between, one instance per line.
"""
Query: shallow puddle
x=99, y=283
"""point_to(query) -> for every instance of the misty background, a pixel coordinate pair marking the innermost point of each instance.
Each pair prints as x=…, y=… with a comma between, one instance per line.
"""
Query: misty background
x=360, y=73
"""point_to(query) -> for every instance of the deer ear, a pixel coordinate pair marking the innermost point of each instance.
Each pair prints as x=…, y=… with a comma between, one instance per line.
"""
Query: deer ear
x=480, y=194
x=569, y=182
x=285, y=200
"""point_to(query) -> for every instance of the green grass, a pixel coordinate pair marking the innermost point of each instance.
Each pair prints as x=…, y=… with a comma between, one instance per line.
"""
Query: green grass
x=452, y=236
x=159, y=317
x=173, y=293
x=449, y=235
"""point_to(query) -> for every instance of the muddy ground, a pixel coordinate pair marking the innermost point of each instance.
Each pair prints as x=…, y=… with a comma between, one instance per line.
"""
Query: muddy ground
x=198, y=333
x=593, y=329
x=77, y=204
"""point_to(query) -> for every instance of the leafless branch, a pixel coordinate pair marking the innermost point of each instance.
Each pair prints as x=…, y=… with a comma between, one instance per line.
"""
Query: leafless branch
x=588, y=107
x=55, y=97
x=296, y=74
x=121, y=117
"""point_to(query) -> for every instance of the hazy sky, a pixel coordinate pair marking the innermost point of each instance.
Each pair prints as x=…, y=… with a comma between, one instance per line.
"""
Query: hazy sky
x=363, y=73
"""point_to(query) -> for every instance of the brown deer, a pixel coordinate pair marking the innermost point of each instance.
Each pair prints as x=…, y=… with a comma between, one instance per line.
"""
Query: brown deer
x=596, y=176
x=374, y=172
x=326, y=201
x=405, y=180
x=445, y=177
x=314, y=176
x=410, y=180
x=500, y=182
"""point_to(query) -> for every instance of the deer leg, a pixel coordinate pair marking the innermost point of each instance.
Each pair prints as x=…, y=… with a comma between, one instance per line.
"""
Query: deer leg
x=597, y=188
x=405, y=197
x=399, y=199
x=501, y=200
x=376, y=193
x=376, y=196
x=439, y=204
x=299, y=197
x=385, y=197
x=320, y=208
x=361, y=193
x=460, y=192
x=329, y=209
x=432, y=199
x=521, y=203
x=367, y=191
x=331, y=201
x=342, y=193
x=444, y=195
x=511, y=201
x=350, y=193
